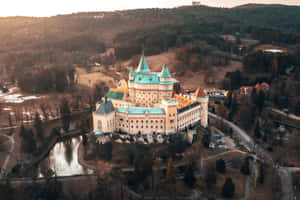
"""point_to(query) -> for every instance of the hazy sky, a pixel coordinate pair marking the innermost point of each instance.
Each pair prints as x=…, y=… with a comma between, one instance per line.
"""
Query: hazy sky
x=54, y=7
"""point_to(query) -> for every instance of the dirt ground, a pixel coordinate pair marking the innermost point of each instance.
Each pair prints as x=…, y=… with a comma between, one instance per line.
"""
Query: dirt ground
x=190, y=80
x=193, y=80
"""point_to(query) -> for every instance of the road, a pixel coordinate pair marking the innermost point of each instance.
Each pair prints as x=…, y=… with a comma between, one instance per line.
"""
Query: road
x=284, y=173
x=7, y=159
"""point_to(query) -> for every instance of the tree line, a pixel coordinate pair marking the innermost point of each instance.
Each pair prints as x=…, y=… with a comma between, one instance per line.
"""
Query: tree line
x=46, y=80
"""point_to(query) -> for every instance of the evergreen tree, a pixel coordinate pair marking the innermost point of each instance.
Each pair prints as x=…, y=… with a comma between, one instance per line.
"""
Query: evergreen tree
x=28, y=143
x=206, y=140
x=233, y=108
x=228, y=99
x=261, y=177
x=65, y=114
x=228, y=189
x=108, y=151
x=257, y=133
x=38, y=125
x=61, y=82
x=245, y=169
x=10, y=123
x=210, y=177
x=221, y=166
x=254, y=96
x=170, y=175
x=260, y=100
x=22, y=131
x=189, y=176
x=6, y=191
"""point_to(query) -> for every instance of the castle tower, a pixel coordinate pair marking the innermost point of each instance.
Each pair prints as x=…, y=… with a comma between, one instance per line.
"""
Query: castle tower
x=143, y=66
x=170, y=106
x=104, y=117
x=203, y=99
x=165, y=74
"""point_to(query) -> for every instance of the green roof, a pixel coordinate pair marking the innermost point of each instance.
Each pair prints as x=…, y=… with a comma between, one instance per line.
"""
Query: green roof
x=143, y=66
x=151, y=78
x=132, y=73
x=105, y=107
x=98, y=132
x=114, y=95
x=141, y=110
x=165, y=72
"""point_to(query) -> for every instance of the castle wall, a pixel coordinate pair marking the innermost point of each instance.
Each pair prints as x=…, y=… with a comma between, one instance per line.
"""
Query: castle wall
x=144, y=124
x=104, y=123
x=148, y=94
x=189, y=117
x=204, y=111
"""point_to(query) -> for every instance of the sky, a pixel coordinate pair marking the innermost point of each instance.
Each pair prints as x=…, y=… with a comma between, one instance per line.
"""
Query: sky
x=43, y=8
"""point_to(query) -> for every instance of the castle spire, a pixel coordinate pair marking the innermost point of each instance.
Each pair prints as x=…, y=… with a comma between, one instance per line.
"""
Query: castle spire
x=165, y=72
x=143, y=66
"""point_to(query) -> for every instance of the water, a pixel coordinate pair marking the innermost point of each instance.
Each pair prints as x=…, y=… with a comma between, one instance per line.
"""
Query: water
x=63, y=159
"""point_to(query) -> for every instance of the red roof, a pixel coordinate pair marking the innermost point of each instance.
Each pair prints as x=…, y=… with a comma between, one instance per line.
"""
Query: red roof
x=199, y=93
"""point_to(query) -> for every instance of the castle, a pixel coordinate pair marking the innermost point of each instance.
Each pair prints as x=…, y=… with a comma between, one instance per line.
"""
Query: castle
x=147, y=104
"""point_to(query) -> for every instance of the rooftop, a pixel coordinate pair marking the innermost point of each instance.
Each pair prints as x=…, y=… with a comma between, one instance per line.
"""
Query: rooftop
x=165, y=72
x=143, y=66
x=105, y=107
x=193, y=105
x=149, y=78
x=199, y=93
x=141, y=110
x=114, y=95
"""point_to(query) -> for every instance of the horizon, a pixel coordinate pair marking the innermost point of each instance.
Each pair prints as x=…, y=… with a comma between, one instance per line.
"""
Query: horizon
x=33, y=8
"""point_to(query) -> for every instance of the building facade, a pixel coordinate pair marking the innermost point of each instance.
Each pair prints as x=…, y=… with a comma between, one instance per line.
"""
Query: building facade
x=146, y=104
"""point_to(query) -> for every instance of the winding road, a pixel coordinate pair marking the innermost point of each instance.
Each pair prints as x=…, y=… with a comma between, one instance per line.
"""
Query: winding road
x=284, y=172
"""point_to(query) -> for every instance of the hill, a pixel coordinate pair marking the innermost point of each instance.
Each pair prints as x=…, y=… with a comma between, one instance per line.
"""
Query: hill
x=255, y=5
x=62, y=41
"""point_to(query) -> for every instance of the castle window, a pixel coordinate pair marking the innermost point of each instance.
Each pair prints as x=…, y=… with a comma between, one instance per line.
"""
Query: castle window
x=137, y=121
x=146, y=126
x=121, y=119
x=146, y=121
x=151, y=126
x=161, y=121
x=156, y=127
x=161, y=126
x=171, y=121
x=131, y=126
x=141, y=126
x=151, y=121
x=156, y=121
x=99, y=124
x=137, y=126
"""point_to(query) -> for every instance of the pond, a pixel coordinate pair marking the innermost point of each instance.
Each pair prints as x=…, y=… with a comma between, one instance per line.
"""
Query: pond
x=63, y=159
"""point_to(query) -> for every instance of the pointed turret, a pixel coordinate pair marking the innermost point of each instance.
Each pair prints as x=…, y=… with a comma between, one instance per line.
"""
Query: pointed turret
x=165, y=72
x=143, y=66
x=131, y=71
